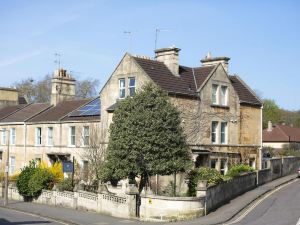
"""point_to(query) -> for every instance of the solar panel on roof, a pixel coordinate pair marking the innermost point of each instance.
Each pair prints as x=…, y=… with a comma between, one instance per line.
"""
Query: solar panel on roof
x=90, y=109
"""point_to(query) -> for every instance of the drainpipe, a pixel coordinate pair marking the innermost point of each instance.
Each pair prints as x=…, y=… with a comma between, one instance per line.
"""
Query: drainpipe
x=25, y=144
x=261, y=141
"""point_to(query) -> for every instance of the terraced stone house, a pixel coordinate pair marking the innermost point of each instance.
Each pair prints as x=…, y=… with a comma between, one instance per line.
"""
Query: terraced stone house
x=220, y=114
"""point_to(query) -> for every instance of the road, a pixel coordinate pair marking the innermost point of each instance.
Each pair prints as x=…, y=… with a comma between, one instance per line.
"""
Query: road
x=12, y=217
x=280, y=208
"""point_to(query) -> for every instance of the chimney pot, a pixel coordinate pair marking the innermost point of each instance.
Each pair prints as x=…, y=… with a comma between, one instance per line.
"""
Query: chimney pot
x=212, y=61
x=170, y=57
x=270, y=126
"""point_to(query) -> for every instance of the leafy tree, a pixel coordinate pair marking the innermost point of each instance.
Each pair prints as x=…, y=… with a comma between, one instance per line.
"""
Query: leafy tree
x=271, y=112
x=146, y=138
x=40, y=90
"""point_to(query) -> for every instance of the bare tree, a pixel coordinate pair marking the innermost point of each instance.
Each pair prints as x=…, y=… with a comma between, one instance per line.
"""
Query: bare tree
x=94, y=151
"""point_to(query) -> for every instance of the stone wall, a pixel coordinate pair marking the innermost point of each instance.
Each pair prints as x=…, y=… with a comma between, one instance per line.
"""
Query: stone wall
x=171, y=208
x=220, y=194
x=278, y=167
x=123, y=206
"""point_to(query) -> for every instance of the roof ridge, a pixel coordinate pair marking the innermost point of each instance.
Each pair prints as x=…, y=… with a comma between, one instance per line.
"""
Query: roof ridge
x=288, y=136
x=18, y=109
x=38, y=113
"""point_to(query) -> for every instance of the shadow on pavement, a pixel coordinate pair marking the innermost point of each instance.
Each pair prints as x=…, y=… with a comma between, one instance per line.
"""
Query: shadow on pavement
x=6, y=222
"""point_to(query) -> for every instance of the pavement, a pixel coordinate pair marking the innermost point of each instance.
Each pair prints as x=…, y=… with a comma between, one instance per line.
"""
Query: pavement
x=221, y=215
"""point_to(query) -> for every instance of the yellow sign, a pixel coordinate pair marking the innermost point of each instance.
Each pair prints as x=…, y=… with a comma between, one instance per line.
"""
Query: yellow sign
x=150, y=200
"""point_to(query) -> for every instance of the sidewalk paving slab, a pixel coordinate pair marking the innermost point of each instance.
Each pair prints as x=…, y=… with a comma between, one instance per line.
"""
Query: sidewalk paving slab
x=77, y=217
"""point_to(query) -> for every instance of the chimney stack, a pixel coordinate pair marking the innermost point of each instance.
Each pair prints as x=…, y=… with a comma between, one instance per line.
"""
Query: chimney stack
x=211, y=61
x=170, y=57
x=63, y=86
x=270, y=126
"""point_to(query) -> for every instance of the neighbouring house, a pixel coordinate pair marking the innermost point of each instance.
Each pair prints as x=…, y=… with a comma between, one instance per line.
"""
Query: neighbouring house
x=10, y=96
x=221, y=115
x=279, y=136
x=49, y=132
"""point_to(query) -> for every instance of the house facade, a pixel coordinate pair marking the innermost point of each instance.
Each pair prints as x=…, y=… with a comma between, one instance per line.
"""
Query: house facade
x=221, y=115
x=49, y=132
x=279, y=136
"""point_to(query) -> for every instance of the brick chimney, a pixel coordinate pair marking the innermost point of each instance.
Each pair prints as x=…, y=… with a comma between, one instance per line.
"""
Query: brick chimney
x=63, y=86
x=170, y=57
x=270, y=126
x=211, y=61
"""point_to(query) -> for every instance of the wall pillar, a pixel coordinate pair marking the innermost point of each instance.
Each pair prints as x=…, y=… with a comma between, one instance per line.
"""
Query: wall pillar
x=132, y=195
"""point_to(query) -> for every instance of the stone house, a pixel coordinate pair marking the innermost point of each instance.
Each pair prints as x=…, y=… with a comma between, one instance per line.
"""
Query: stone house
x=48, y=132
x=221, y=115
x=10, y=96
x=277, y=136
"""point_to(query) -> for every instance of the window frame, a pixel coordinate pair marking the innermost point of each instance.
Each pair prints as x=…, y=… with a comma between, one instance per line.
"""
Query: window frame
x=131, y=87
x=122, y=90
x=12, y=136
x=3, y=136
x=216, y=94
x=72, y=136
x=50, y=137
x=11, y=165
x=225, y=133
x=214, y=132
x=225, y=97
x=38, y=136
x=86, y=136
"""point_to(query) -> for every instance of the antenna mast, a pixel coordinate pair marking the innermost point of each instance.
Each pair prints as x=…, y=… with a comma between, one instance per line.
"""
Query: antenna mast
x=57, y=59
x=157, y=30
x=129, y=33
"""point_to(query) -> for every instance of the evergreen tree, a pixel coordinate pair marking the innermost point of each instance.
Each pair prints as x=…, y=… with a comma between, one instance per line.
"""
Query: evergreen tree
x=146, y=138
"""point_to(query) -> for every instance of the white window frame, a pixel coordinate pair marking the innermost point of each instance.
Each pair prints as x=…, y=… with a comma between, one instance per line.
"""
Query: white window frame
x=122, y=89
x=131, y=86
x=86, y=136
x=214, y=132
x=223, y=171
x=225, y=132
x=13, y=136
x=216, y=94
x=38, y=136
x=224, y=98
x=71, y=136
x=12, y=166
x=50, y=136
x=3, y=136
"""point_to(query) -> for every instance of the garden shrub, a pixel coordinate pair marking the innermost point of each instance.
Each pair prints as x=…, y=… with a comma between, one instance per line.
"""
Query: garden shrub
x=56, y=169
x=23, y=180
x=41, y=179
x=65, y=185
x=203, y=173
x=238, y=169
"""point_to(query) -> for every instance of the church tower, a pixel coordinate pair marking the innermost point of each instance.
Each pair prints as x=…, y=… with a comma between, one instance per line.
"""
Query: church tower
x=63, y=86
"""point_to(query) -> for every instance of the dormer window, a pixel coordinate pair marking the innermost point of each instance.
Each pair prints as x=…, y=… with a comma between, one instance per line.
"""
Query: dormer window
x=214, y=94
x=131, y=86
x=122, y=88
x=223, y=95
x=219, y=95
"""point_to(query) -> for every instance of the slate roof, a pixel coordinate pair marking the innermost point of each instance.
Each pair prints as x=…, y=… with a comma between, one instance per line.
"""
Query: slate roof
x=6, y=111
x=282, y=133
x=58, y=112
x=185, y=83
x=26, y=112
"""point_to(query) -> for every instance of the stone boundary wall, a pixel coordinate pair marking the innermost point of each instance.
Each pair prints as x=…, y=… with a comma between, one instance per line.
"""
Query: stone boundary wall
x=277, y=168
x=222, y=193
x=106, y=203
x=164, y=208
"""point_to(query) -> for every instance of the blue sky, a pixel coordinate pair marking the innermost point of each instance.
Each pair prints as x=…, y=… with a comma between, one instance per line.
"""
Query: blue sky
x=261, y=38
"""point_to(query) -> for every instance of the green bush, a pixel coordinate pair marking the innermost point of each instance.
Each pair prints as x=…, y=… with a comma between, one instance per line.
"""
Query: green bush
x=238, y=169
x=23, y=180
x=203, y=173
x=41, y=179
x=65, y=185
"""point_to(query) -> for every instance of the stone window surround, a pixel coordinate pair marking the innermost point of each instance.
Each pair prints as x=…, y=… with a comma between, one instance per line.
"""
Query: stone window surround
x=50, y=136
x=218, y=134
x=13, y=136
x=72, y=142
x=122, y=88
x=38, y=136
x=218, y=94
x=126, y=88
